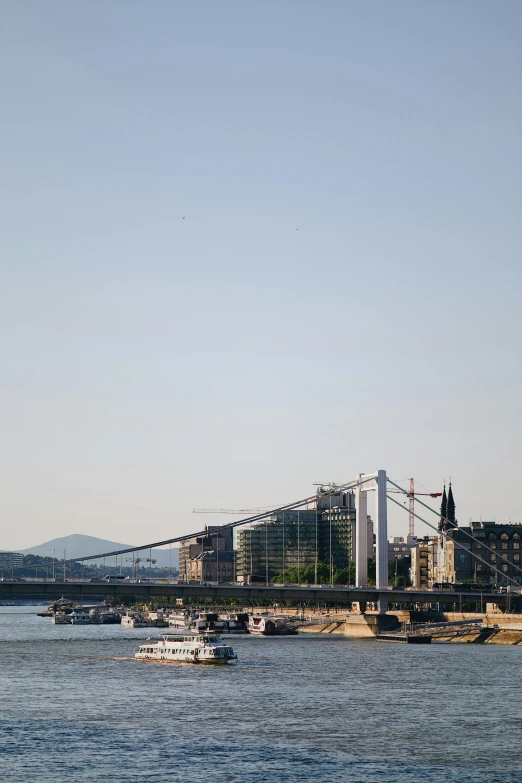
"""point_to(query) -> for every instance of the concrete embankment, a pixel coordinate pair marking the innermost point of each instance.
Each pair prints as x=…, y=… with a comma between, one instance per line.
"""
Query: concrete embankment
x=486, y=636
x=497, y=628
x=336, y=627
x=494, y=629
x=357, y=625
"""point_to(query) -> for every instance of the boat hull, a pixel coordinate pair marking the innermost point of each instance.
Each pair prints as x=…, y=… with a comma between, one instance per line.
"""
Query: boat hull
x=273, y=632
x=210, y=662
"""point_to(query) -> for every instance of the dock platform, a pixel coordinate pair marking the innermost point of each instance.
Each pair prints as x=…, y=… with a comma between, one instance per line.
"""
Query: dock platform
x=404, y=638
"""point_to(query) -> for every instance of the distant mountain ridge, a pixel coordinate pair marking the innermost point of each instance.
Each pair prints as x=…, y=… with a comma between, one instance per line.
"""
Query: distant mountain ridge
x=79, y=545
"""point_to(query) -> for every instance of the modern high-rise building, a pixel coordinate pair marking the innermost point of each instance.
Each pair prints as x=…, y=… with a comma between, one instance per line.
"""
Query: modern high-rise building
x=300, y=538
x=288, y=539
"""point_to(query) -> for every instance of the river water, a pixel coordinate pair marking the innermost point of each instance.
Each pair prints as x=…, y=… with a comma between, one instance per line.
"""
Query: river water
x=76, y=707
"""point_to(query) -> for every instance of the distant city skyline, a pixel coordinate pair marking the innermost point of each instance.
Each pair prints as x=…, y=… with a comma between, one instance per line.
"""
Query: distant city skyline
x=248, y=247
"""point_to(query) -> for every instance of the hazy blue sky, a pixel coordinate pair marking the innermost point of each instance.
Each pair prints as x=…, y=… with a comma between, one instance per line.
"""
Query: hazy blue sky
x=247, y=246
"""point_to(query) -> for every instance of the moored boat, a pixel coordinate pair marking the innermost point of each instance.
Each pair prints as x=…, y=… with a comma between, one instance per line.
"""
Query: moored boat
x=63, y=605
x=61, y=618
x=232, y=623
x=79, y=617
x=134, y=621
x=261, y=625
x=180, y=621
x=110, y=618
x=206, y=648
x=104, y=617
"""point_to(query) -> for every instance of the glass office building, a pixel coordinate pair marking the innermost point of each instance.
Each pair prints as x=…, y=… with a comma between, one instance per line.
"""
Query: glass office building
x=296, y=539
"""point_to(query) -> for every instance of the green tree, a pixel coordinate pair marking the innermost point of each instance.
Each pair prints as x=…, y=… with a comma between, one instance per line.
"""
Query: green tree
x=32, y=560
x=399, y=573
x=306, y=575
x=345, y=576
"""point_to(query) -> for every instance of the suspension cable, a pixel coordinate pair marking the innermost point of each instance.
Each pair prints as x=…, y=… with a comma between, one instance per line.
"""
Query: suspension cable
x=454, y=526
x=459, y=546
x=238, y=523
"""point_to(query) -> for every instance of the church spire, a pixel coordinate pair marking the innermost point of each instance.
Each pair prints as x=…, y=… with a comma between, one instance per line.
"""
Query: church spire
x=451, y=507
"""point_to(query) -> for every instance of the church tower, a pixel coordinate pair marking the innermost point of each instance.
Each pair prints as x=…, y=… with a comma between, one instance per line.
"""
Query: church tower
x=447, y=522
x=451, y=509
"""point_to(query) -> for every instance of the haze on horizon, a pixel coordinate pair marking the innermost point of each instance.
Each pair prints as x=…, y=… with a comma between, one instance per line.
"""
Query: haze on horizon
x=251, y=246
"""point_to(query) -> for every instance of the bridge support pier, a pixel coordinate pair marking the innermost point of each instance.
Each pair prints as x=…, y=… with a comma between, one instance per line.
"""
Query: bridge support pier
x=367, y=626
x=382, y=603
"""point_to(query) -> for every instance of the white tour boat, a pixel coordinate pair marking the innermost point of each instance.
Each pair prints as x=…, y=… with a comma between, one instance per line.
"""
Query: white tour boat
x=187, y=647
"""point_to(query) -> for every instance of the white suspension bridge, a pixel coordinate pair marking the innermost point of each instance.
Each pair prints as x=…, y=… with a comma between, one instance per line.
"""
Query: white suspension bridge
x=377, y=482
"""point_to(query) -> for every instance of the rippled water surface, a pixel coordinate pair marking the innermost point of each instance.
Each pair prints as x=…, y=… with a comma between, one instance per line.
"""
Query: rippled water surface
x=77, y=707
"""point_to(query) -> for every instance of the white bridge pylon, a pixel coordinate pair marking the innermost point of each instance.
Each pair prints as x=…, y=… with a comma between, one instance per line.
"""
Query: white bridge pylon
x=371, y=482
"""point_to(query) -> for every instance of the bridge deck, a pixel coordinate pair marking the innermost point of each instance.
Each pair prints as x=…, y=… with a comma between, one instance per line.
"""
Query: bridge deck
x=270, y=593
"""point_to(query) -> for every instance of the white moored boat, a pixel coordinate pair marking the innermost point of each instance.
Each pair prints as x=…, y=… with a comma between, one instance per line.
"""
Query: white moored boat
x=261, y=625
x=188, y=648
x=179, y=621
x=60, y=618
x=134, y=621
x=79, y=617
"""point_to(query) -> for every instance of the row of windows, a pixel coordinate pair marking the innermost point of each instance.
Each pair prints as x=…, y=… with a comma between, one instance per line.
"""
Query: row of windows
x=172, y=652
x=504, y=536
x=504, y=545
x=492, y=559
x=505, y=568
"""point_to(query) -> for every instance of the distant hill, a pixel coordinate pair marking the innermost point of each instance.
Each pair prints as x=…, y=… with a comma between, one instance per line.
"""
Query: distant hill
x=78, y=545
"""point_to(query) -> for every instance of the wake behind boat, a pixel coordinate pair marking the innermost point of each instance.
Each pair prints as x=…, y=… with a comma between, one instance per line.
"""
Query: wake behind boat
x=205, y=648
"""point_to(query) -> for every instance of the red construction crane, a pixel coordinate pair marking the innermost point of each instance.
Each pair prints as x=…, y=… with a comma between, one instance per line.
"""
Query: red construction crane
x=411, y=503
